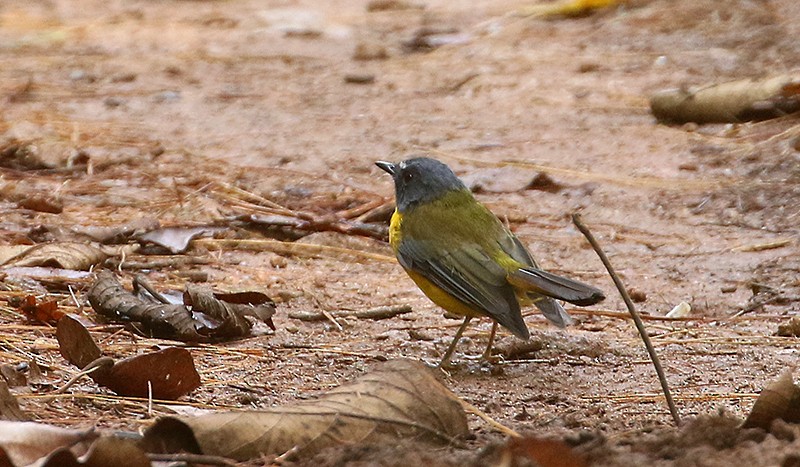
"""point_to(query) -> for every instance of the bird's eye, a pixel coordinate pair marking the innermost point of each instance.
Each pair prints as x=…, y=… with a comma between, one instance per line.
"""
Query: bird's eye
x=407, y=176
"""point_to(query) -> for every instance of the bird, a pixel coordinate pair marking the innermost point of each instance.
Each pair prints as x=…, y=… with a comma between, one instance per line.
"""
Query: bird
x=465, y=259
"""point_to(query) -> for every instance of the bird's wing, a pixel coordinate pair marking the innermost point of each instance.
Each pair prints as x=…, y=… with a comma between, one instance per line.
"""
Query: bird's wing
x=468, y=274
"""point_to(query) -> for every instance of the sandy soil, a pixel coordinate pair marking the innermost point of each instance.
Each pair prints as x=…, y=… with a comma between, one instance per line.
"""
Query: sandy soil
x=294, y=100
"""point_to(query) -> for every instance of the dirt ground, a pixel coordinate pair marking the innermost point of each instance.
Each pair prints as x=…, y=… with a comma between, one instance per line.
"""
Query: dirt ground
x=293, y=101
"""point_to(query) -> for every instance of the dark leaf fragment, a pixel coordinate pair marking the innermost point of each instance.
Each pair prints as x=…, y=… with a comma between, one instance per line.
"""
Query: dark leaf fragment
x=166, y=374
x=208, y=318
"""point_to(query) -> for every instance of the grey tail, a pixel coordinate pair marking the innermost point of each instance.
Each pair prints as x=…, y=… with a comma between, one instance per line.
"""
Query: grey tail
x=553, y=311
x=552, y=285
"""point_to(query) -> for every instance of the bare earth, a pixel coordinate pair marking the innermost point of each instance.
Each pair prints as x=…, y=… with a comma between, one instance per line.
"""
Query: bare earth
x=168, y=98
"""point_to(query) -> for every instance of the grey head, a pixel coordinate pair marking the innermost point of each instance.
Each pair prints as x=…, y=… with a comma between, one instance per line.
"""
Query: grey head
x=420, y=180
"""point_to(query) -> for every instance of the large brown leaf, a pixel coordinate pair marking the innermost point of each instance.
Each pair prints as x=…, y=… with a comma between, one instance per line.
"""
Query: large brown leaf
x=166, y=374
x=401, y=399
x=64, y=255
x=25, y=442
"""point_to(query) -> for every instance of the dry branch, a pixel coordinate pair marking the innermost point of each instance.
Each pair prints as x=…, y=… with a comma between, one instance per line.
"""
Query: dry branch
x=735, y=101
x=576, y=219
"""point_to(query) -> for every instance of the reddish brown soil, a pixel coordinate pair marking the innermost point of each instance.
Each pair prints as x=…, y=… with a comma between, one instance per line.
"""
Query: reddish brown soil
x=168, y=97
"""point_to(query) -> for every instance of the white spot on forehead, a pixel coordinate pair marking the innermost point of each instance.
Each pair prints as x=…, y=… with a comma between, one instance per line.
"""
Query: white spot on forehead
x=402, y=165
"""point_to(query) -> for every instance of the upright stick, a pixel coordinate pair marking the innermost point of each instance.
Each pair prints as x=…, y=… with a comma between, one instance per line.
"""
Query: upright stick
x=576, y=219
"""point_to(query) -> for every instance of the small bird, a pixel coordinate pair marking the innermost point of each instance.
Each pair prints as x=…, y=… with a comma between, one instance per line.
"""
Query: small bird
x=464, y=259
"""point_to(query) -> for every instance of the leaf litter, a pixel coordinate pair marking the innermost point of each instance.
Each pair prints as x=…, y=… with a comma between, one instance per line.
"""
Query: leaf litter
x=665, y=193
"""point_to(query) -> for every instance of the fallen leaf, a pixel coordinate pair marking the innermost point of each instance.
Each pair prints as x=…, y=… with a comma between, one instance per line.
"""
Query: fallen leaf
x=14, y=375
x=9, y=407
x=41, y=204
x=9, y=251
x=401, y=399
x=175, y=239
x=26, y=442
x=120, y=233
x=75, y=343
x=231, y=308
x=21, y=155
x=567, y=8
x=779, y=400
x=108, y=298
x=543, y=453
x=64, y=255
x=166, y=374
x=209, y=317
x=45, y=274
x=733, y=101
x=544, y=182
x=38, y=311
x=790, y=328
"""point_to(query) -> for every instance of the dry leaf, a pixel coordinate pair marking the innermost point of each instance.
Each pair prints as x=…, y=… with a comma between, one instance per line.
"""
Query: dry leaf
x=105, y=451
x=26, y=442
x=543, y=453
x=64, y=255
x=166, y=374
x=14, y=374
x=401, y=399
x=75, y=343
x=175, y=239
x=790, y=328
x=110, y=299
x=779, y=400
x=209, y=317
x=9, y=407
x=43, y=312
x=119, y=233
x=36, y=202
x=230, y=309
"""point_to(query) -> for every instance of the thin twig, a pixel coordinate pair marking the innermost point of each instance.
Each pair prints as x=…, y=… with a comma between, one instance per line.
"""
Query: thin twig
x=492, y=422
x=576, y=219
x=94, y=365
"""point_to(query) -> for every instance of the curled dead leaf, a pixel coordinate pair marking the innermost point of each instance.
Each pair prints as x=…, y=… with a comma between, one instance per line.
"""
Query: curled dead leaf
x=401, y=399
x=175, y=239
x=64, y=255
x=108, y=298
x=779, y=400
x=209, y=318
x=39, y=311
x=166, y=374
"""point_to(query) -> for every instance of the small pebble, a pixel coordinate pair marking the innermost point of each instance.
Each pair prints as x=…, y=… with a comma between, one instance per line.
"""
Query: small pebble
x=167, y=96
x=638, y=296
x=278, y=262
x=359, y=78
x=113, y=102
x=370, y=51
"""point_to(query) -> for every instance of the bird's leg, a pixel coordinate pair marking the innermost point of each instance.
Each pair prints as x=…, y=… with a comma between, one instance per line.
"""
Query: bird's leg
x=449, y=353
x=487, y=354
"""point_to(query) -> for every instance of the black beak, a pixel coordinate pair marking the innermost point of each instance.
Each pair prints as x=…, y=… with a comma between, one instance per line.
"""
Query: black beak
x=387, y=166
